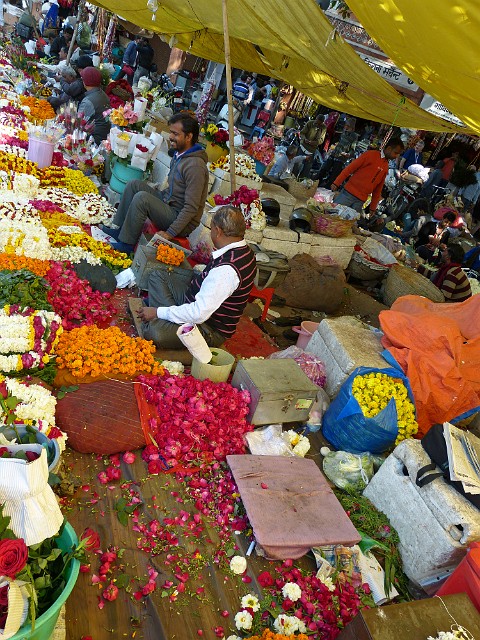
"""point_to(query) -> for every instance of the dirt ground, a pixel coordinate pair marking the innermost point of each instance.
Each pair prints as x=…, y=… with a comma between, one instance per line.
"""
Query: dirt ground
x=355, y=303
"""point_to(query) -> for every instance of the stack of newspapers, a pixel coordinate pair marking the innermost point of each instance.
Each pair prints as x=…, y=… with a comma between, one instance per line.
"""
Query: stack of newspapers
x=463, y=450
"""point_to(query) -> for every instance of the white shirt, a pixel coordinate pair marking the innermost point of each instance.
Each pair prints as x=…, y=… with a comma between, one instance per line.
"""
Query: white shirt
x=218, y=285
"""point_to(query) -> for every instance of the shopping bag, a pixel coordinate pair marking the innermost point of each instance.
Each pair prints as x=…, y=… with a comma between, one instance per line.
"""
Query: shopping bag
x=347, y=429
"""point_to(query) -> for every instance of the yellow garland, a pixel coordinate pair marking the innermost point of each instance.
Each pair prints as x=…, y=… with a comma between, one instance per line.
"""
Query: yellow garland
x=102, y=250
x=373, y=392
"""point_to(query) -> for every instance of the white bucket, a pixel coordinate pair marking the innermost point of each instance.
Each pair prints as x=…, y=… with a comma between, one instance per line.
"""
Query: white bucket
x=217, y=372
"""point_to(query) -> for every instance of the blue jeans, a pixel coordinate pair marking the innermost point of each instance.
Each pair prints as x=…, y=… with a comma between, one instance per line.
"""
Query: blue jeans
x=346, y=198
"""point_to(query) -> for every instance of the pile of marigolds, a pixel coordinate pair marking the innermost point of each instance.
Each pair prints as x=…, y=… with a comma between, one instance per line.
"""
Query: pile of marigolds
x=373, y=392
x=89, y=350
x=170, y=255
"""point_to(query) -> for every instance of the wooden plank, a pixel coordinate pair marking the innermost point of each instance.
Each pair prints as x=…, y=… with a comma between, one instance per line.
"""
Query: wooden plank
x=159, y=618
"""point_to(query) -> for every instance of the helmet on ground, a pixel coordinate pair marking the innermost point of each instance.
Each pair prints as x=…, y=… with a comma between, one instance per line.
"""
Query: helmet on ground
x=301, y=220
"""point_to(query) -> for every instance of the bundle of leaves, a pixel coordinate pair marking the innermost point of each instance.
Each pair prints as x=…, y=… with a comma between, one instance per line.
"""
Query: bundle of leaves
x=25, y=289
x=381, y=537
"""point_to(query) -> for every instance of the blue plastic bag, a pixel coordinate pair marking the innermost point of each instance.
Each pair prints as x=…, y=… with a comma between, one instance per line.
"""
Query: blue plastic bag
x=347, y=429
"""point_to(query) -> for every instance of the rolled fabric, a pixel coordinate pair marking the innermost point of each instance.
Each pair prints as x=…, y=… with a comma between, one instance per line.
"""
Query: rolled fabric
x=191, y=337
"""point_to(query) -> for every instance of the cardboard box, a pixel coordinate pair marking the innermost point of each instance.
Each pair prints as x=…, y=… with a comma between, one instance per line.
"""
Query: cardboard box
x=279, y=390
x=145, y=261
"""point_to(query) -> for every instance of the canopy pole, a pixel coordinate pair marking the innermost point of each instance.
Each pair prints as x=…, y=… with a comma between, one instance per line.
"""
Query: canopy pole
x=74, y=36
x=228, y=72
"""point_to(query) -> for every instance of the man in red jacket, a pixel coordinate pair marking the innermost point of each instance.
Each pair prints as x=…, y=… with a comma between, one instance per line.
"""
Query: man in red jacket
x=366, y=176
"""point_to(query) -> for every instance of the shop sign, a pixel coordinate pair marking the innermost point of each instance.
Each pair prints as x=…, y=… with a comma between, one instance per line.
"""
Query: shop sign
x=389, y=72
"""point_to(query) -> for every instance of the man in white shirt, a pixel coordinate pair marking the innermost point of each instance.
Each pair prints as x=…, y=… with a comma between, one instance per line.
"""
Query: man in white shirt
x=213, y=299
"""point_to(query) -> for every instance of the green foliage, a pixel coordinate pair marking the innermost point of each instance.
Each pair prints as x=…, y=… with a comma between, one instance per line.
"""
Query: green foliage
x=377, y=533
x=23, y=288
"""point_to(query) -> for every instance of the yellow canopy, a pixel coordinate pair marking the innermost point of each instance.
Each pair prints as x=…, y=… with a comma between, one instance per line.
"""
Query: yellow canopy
x=291, y=41
x=435, y=43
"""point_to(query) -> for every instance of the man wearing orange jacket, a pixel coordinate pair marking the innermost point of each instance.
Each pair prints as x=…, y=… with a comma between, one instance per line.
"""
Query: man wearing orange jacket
x=366, y=176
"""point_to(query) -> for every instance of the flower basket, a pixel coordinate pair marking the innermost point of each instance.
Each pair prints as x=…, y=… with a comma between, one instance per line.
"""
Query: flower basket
x=362, y=268
x=217, y=370
x=403, y=281
x=327, y=224
x=298, y=189
x=121, y=93
x=214, y=151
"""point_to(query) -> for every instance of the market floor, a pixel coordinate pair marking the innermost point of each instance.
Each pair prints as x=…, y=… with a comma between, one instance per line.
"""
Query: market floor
x=154, y=617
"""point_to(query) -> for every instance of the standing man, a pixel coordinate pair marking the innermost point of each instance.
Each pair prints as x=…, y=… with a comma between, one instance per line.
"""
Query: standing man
x=130, y=60
x=311, y=138
x=145, y=55
x=60, y=42
x=84, y=32
x=177, y=209
x=343, y=150
x=366, y=176
x=411, y=156
x=214, y=299
x=447, y=169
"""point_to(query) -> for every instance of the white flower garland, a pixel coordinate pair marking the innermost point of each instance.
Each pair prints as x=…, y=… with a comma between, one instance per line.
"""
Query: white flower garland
x=25, y=238
x=300, y=444
x=74, y=254
x=37, y=406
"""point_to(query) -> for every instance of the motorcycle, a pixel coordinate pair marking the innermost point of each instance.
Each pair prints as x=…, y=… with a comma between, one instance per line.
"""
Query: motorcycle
x=397, y=202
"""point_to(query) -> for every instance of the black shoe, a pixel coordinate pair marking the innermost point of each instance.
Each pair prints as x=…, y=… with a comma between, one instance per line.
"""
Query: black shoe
x=277, y=301
x=290, y=335
x=287, y=322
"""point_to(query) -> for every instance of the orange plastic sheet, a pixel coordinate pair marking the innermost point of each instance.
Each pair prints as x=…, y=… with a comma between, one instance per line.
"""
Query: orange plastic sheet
x=438, y=347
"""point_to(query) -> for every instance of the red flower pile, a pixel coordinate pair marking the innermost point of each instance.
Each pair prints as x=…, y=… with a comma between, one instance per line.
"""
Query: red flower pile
x=243, y=195
x=324, y=612
x=197, y=420
x=74, y=299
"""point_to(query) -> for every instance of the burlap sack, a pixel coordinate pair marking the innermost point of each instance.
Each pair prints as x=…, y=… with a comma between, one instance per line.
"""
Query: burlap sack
x=313, y=286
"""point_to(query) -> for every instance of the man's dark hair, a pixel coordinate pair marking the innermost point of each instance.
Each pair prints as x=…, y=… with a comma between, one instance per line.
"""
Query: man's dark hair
x=450, y=216
x=83, y=62
x=68, y=30
x=189, y=124
x=244, y=76
x=394, y=143
x=456, y=253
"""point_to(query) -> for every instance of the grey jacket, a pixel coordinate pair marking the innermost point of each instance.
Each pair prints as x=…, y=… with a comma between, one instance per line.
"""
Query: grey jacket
x=94, y=103
x=187, y=190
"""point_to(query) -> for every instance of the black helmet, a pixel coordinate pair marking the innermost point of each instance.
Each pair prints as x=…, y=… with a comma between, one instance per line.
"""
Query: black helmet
x=271, y=209
x=301, y=220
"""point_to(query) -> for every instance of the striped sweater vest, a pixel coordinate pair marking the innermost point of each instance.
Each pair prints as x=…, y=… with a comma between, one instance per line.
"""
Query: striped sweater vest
x=225, y=319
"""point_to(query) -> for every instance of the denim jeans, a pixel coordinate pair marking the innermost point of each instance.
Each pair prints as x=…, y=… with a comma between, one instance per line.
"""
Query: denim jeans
x=346, y=198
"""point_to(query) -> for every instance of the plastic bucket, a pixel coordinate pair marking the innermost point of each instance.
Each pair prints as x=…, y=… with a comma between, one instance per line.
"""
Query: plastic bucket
x=218, y=372
x=40, y=151
x=121, y=174
x=466, y=577
x=45, y=624
x=260, y=167
x=305, y=332
x=51, y=445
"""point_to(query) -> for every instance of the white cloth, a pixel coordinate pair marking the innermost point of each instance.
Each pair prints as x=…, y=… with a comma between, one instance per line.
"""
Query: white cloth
x=219, y=284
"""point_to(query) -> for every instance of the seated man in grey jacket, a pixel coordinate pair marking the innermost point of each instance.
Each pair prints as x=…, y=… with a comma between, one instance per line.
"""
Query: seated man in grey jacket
x=176, y=210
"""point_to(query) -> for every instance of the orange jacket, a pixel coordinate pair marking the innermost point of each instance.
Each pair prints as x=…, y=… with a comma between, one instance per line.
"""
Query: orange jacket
x=368, y=173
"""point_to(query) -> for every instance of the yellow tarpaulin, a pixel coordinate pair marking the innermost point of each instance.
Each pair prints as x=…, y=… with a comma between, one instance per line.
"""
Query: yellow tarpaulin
x=291, y=41
x=436, y=43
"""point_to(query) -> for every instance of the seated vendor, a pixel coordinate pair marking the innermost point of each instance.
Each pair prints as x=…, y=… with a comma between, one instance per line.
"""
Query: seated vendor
x=450, y=278
x=94, y=103
x=286, y=163
x=71, y=88
x=438, y=236
x=213, y=299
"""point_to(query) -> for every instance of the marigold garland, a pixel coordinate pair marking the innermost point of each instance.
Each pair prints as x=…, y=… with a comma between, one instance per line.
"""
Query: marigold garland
x=271, y=635
x=170, y=255
x=373, y=392
x=40, y=110
x=12, y=262
x=92, y=351
x=57, y=219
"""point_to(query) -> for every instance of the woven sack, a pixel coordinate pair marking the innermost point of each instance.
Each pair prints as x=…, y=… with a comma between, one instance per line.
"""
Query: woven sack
x=364, y=269
x=403, y=281
x=327, y=224
x=101, y=417
x=122, y=93
x=299, y=191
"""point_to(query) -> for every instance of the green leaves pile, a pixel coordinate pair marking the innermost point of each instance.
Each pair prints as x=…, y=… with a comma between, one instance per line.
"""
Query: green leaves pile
x=25, y=289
